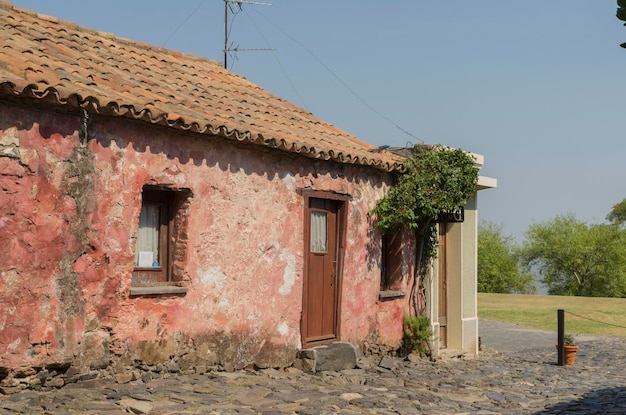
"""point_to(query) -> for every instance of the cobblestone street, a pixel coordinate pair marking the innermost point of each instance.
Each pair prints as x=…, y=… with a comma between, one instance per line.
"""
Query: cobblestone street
x=521, y=381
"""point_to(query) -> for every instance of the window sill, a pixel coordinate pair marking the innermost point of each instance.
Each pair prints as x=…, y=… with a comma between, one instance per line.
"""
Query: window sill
x=390, y=295
x=158, y=290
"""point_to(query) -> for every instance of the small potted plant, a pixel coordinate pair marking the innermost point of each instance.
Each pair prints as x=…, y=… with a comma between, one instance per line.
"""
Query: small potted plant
x=570, y=349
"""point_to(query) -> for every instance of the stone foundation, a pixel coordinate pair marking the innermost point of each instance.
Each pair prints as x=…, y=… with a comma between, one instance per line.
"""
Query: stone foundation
x=99, y=357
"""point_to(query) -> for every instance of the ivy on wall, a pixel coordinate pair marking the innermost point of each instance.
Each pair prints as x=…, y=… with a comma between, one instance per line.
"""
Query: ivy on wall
x=436, y=179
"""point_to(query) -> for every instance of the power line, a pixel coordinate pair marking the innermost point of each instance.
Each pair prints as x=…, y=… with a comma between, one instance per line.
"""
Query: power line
x=340, y=80
x=293, y=87
x=183, y=23
x=227, y=49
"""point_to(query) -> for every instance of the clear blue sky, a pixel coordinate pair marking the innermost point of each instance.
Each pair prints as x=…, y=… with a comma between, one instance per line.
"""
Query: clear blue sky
x=537, y=87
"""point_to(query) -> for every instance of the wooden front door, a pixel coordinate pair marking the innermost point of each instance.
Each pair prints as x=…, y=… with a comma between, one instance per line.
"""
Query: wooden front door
x=323, y=249
x=443, y=287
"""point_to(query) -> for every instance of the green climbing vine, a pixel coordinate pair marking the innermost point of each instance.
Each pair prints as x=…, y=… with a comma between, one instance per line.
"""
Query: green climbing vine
x=436, y=179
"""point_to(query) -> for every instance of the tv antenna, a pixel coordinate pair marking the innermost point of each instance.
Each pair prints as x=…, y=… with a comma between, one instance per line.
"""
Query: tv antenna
x=231, y=5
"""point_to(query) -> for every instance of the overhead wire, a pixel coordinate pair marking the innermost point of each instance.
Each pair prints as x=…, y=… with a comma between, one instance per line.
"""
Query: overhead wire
x=183, y=23
x=293, y=87
x=345, y=85
x=282, y=68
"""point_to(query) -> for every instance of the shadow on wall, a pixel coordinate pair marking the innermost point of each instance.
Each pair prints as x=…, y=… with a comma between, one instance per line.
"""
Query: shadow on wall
x=186, y=147
x=603, y=401
x=374, y=245
x=225, y=154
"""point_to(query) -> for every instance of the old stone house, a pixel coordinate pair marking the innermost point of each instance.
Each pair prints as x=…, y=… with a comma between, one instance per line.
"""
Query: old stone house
x=156, y=208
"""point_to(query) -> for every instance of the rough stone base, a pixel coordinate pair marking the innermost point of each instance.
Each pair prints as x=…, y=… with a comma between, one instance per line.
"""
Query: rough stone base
x=332, y=357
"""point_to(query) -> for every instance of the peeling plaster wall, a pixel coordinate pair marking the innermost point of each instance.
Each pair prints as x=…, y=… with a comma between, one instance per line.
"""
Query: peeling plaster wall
x=68, y=223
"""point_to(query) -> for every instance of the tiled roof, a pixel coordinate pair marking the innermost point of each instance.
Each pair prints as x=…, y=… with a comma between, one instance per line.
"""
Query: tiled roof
x=60, y=63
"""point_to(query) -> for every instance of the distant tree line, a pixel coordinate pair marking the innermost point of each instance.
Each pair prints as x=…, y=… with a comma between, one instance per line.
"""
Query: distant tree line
x=569, y=256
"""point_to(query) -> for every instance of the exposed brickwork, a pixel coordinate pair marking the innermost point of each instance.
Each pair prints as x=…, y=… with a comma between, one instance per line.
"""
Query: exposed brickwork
x=181, y=225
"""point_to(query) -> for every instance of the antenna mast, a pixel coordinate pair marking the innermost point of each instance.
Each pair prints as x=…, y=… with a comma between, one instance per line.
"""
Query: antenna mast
x=226, y=7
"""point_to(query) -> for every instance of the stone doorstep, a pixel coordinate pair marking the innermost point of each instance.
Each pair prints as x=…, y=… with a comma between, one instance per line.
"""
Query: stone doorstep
x=332, y=357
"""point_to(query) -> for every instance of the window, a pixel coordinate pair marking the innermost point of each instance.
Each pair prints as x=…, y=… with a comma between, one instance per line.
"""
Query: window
x=159, y=242
x=319, y=232
x=392, y=261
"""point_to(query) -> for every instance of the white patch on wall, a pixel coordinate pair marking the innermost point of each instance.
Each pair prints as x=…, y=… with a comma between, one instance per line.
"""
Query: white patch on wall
x=212, y=276
x=113, y=245
x=356, y=196
x=282, y=328
x=289, y=276
x=289, y=181
x=10, y=138
x=14, y=345
x=254, y=315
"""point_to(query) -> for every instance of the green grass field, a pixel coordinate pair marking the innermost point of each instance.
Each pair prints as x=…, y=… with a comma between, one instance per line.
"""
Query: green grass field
x=583, y=315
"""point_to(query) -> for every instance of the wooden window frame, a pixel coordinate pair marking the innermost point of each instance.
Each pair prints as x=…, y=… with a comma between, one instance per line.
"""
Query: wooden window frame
x=392, y=247
x=160, y=280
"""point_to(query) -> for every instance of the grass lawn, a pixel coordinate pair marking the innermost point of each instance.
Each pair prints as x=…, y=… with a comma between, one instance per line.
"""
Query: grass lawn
x=583, y=315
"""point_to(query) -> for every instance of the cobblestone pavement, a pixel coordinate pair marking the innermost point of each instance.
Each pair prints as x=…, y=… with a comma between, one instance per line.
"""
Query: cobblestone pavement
x=518, y=380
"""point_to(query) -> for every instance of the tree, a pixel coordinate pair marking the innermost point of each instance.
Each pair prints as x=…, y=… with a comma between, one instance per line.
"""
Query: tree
x=617, y=215
x=621, y=10
x=499, y=268
x=621, y=14
x=577, y=259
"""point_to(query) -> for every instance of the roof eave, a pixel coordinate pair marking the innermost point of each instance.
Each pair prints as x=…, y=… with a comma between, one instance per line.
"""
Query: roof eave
x=53, y=97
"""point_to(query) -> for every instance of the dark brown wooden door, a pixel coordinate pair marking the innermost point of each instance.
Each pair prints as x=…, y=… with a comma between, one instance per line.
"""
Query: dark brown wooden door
x=321, y=280
x=443, y=287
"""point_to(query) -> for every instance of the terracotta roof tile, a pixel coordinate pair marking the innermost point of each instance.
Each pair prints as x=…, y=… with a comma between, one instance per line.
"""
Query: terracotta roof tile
x=61, y=63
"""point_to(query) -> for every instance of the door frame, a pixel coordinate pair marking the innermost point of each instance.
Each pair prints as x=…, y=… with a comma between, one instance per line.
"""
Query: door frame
x=442, y=285
x=342, y=208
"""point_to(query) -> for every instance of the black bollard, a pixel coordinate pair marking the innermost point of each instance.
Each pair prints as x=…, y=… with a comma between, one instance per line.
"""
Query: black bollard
x=560, y=314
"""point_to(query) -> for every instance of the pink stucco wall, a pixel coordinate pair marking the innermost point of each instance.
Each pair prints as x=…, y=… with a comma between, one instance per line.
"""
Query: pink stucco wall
x=68, y=221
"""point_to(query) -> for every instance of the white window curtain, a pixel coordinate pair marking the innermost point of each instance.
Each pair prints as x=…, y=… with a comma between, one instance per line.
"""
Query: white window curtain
x=319, y=232
x=147, y=252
